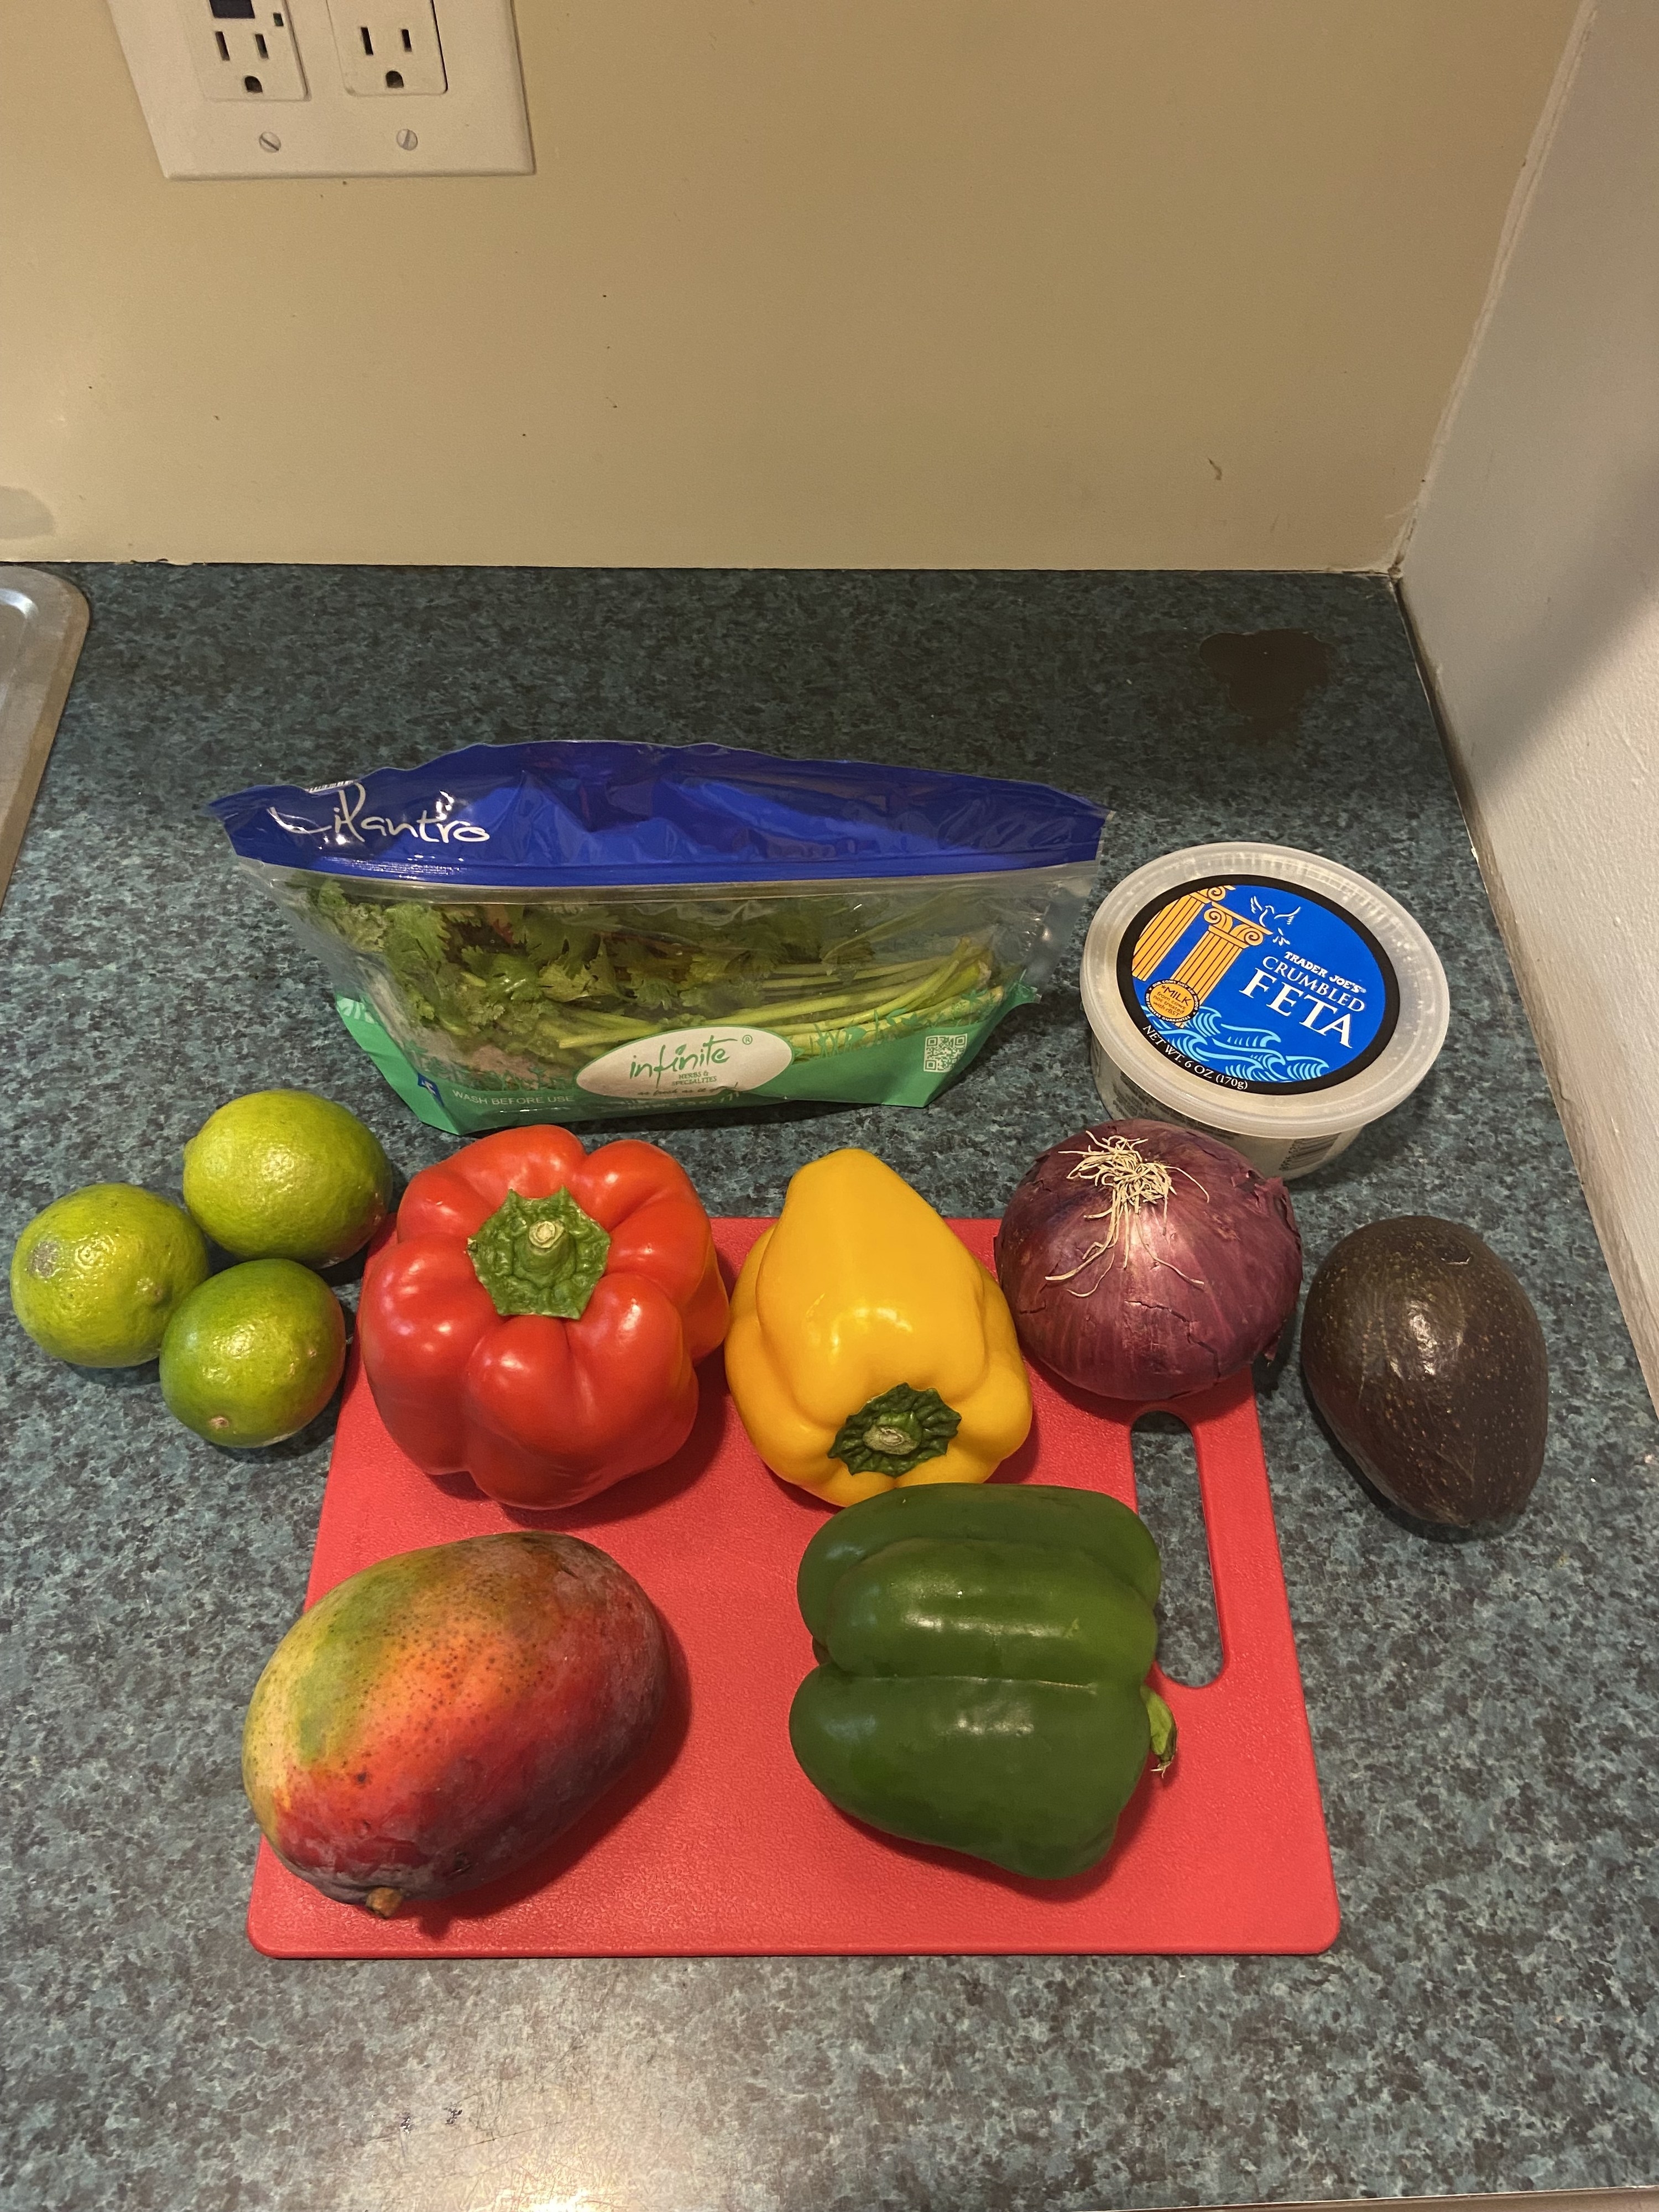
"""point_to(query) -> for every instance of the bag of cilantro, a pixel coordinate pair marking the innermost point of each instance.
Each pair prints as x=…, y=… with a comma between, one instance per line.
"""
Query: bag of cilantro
x=568, y=931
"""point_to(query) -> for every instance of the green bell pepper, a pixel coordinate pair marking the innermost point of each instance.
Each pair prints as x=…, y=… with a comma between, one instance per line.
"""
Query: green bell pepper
x=982, y=1655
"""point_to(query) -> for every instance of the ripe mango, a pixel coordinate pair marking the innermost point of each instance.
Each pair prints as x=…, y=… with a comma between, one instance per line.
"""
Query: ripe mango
x=434, y=1721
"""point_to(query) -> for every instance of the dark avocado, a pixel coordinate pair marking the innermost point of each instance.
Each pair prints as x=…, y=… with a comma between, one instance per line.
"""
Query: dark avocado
x=1425, y=1357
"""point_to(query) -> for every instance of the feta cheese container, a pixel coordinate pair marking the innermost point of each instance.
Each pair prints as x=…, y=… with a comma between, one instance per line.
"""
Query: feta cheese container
x=1266, y=996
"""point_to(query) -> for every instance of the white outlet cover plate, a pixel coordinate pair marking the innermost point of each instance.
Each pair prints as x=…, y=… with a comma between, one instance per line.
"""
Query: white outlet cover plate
x=477, y=128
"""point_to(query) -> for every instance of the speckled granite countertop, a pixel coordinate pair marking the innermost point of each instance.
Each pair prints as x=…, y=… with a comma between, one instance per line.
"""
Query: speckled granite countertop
x=1483, y=1713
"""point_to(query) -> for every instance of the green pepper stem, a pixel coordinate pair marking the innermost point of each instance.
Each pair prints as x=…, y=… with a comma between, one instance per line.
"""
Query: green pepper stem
x=1161, y=1722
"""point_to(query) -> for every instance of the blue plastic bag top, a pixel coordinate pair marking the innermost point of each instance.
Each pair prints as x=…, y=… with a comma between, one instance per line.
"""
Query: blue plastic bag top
x=580, y=812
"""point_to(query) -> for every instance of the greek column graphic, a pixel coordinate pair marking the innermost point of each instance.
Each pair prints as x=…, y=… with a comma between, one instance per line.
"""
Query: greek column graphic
x=1225, y=936
x=1165, y=927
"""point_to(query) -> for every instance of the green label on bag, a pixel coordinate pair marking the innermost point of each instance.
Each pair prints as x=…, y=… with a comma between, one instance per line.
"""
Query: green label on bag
x=716, y=1065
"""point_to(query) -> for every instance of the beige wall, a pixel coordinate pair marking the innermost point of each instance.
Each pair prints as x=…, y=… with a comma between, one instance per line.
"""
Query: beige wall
x=965, y=283
x=1533, y=577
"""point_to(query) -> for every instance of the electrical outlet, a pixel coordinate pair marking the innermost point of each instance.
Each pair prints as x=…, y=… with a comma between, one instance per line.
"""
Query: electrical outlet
x=460, y=111
x=242, y=51
x=388, y=46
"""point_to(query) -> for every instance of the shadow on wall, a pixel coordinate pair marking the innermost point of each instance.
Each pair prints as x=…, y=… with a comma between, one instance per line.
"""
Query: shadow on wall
x=1580, y=602
x=1532, y=578
x=22, y=516
x=1532, y=574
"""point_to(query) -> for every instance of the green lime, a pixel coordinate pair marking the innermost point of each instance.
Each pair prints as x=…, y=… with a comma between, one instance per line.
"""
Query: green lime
x=253, y=1354
x=284, y=1175
x=97, y=1277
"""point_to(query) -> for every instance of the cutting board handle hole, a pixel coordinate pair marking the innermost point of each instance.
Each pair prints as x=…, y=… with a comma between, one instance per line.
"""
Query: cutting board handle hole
x=1167, y=1495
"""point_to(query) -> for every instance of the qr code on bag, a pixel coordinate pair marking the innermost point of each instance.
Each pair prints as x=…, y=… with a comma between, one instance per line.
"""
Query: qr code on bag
x=939, y=1055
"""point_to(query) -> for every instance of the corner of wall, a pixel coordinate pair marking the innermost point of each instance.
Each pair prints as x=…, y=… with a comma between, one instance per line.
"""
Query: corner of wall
x=1549, y=120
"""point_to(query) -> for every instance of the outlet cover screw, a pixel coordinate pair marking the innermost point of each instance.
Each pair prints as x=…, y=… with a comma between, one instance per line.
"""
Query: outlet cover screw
x=408, y=141
x=270, y=141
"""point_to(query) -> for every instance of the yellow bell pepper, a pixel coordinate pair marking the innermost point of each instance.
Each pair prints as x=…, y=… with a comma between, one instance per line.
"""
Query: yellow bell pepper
x=868, y=1348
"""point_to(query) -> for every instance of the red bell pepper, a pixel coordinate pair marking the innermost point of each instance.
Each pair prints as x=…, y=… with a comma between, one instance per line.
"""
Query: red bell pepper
x=536, y=1320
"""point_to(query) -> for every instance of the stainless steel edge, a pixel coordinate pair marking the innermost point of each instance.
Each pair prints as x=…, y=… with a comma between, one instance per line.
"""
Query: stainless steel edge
x=43, y=621
x=1635, y=2199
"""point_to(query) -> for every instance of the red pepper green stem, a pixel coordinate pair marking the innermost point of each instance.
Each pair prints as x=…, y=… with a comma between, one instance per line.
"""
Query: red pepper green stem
x=540, y=1255
x=895, y=1432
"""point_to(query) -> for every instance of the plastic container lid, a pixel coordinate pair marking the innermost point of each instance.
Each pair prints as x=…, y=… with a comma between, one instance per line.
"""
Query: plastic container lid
x=1264, y=990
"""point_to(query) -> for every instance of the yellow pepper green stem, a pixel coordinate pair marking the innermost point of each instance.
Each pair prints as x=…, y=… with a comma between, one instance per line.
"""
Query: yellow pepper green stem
x=896, y=1433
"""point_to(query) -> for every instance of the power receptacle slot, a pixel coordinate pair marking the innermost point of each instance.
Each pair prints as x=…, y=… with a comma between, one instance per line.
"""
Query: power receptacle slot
x=242, y=49
x=389, y=47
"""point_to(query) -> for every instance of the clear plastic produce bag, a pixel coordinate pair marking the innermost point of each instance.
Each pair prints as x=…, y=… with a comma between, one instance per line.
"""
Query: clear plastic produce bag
x=571, y=930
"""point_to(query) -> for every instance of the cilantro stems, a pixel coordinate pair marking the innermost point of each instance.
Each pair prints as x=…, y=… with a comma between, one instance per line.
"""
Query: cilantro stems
x=523, y=989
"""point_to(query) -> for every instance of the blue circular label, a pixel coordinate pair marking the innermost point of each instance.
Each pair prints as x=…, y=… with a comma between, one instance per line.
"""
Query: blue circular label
x=1258, y=986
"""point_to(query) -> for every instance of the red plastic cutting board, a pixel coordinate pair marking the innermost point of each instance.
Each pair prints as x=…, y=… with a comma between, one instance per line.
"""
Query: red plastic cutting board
x=716, y=1843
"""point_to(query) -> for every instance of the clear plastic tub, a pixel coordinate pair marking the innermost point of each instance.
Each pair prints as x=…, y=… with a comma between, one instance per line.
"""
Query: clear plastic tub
x=1266, y=996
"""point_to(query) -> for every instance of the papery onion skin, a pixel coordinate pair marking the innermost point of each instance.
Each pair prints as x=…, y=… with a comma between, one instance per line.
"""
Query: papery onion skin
x=1194, y=1287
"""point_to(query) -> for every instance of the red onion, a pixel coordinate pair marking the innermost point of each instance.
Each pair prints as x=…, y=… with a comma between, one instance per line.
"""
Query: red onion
x=1144, y=1261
